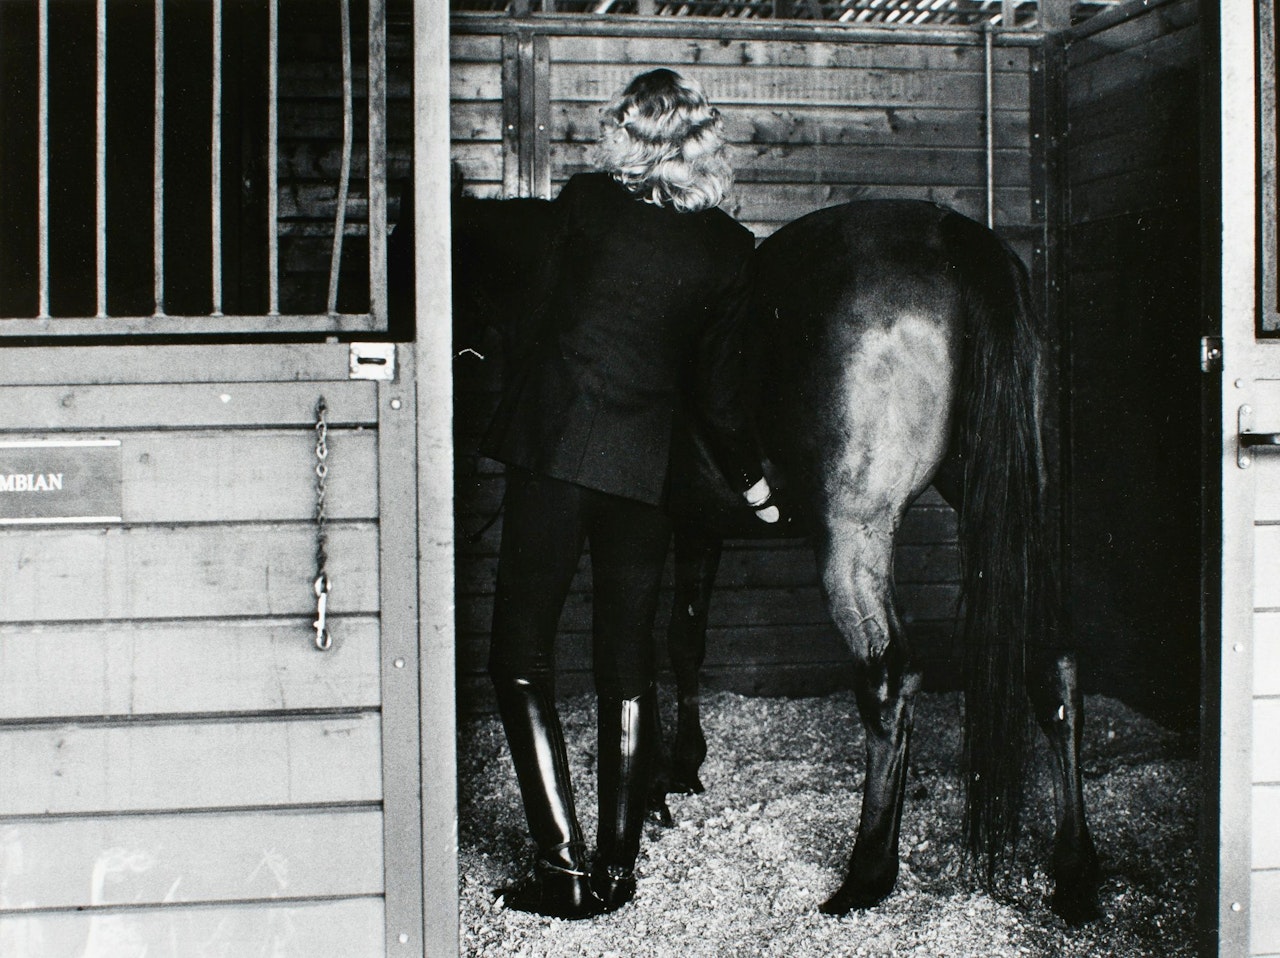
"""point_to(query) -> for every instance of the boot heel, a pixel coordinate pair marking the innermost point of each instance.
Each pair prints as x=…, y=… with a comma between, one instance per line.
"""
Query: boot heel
x=556, y=892
x=613, y=886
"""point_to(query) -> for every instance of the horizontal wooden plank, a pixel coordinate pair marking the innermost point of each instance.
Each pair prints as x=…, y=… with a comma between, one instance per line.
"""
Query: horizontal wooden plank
x=1266, y=741
x=223, y=363
x=1266, y=834
x=323, y=929
x=186, y=572
x=1128, y=193
x=27, y=408
x=743, y=568
x=1104, y=76
x=1133, y=33
x=1266, y=554
x=731, y=608
x=475, y=81
x=749, y=54
x=245, y=475
x=795, y=125
x=191, y=765
x=1264, y=924
x=140, y=668
x=1266, y=654
x=477, y=47
x=197, y=857
x=599, y=83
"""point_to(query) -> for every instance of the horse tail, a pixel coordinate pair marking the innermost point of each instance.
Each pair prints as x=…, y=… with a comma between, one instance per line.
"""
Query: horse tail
x=1007, y=553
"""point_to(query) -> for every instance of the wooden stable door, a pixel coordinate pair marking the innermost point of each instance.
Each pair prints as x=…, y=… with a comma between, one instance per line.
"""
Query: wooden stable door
x=182, y=767
x=1248, y=686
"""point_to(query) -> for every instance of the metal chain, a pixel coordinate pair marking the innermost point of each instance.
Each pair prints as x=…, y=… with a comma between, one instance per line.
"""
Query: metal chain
x=322, y=583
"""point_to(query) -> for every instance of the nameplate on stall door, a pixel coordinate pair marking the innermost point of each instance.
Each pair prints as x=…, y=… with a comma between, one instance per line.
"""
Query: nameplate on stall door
x=71, y=481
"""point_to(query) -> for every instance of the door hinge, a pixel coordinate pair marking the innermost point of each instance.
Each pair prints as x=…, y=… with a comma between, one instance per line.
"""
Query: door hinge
x=372, y=361
x=1211, y=354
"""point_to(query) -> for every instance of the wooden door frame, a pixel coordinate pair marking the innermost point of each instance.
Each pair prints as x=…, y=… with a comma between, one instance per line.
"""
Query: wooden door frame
x=434, y=407
x=1242, y=357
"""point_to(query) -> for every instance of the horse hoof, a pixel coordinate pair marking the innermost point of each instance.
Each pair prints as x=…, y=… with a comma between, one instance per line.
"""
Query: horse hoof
x=1075, y=906
x=659, y=812
x=686, y=784
x=855, y=896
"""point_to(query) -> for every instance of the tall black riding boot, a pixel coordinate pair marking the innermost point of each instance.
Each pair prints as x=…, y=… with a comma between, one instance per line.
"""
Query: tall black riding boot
x=560, y=886
x=627, y=748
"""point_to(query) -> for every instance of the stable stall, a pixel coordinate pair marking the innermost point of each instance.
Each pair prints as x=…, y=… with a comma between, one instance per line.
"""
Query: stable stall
x=229, y=653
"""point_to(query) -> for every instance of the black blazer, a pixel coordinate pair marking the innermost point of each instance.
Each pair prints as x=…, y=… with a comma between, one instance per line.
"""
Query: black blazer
x=639, y=323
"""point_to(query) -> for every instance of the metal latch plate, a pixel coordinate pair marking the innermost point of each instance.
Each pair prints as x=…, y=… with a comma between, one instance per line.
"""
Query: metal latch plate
x=372, y=361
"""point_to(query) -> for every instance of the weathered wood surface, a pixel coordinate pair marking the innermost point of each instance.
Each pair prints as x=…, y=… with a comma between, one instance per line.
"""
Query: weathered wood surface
x=1264, y=938
x=1266, y=654
x=185, y=406
x=200, y=571
x=135, y=767
x=320, y=929
x=244, y=475
x=138, y=860
x=160, y=668
x=1266, y=743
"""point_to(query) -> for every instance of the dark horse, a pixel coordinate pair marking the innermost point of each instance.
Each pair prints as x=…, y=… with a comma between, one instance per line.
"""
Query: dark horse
x=898, y=348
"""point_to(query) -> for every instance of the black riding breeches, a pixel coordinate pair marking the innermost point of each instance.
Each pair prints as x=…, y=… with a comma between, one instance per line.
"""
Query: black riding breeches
x=545, y=524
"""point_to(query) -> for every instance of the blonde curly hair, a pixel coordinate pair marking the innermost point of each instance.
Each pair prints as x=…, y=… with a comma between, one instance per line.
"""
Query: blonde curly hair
x=663, y=141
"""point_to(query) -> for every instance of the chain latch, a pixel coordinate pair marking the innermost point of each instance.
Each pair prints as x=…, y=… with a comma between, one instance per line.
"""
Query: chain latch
x=322, y=584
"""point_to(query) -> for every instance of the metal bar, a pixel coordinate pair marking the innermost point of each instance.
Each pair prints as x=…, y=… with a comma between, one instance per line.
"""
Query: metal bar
x=68, y=329
x=377, y=87
x=42, y=158
x=100, y=136
x=988, y=35
x=731, y=29
x=273, y=158
x=157, y=164
x=215, y=161
x=344, y=175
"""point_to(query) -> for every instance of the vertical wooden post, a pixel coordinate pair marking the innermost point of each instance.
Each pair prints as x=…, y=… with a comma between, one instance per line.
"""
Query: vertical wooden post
x=647, y=8
x=434, y=406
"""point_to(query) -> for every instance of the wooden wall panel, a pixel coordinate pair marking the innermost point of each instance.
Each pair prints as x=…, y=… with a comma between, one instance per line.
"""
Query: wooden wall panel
x=169, y=735
x=322, y=929
x=1130, y=284
x=811, y=123
x=148, y=572
x=167, y=667
x=211, y=405
x=217, y=856
x=216, y=764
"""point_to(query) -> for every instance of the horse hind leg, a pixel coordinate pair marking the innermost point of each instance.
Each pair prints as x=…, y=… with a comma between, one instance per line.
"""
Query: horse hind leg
x=1059, y=709
x=885, y=688
x=697, y=558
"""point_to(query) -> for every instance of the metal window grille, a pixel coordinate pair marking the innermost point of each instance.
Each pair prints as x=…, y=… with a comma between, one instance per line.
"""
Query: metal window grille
x=70, y=222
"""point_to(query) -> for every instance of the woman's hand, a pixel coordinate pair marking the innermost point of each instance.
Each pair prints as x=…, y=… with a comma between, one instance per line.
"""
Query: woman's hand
x=760, y=498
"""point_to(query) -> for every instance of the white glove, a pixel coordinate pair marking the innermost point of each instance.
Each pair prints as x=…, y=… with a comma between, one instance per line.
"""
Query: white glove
x=757, y=496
